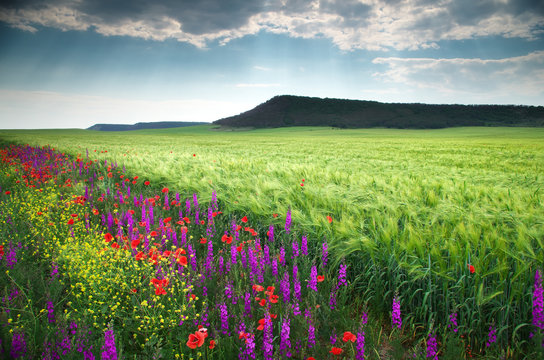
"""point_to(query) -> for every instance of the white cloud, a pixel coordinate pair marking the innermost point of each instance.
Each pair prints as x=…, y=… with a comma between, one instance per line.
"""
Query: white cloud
x=39, y=109
x=350, y=24
x=261, y=68
x=257, y=85
x=505, y=80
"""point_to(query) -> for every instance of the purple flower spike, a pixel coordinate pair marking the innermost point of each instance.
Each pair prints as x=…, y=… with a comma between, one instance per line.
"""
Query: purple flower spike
x=395, y=316
x=109, y=351
x=304, y=245
x=491, y=336
x=324, y=253
x=360, y=348
x=285, y=342
x=312, y=283
x=288, y=222
x=432, y=352
x=538, y=302
x=18, y=345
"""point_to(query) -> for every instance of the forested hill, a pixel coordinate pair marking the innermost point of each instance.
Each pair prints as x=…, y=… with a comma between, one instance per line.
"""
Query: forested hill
x=143, y=126
x=286, y=110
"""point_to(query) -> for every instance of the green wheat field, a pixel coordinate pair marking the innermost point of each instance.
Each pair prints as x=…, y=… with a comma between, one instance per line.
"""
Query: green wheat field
x=447, y=221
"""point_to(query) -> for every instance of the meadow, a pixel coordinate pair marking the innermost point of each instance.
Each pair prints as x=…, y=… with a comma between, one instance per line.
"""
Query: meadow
x=444, y=226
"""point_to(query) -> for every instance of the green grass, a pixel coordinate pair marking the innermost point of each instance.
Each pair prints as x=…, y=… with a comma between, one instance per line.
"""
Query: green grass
x=410, y=208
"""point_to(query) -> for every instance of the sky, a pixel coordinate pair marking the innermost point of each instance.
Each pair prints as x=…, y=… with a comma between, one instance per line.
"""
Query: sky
x=72, y=64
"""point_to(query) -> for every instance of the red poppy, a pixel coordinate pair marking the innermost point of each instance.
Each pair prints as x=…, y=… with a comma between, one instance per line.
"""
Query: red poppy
x=244, y=219
x=212, y=344
x=187, y=220
x=303, y=180
x=262, y=302
x=194, y=154
x=471, y=269
x=329, y=219
x=95, y=211
x=135, y=243
x=349, y=336
x=71, y=222
x=196, y=339
x=202, y=222
x=182, y=260
x=167, y=220
x=274, y=299
x=146, y=183
x=310, y=358
x=261, y=324
x=114, y=245
x=179, y=252
x=203, y=240
x=134, y=290
x=320, y=278
x=139, y=256
x=227, y=239
x=258, y=287
x=153, y=233
x=164, y=190
x=275, y=215
x=108, y=237
x=270, y=290
x=160, y=291
x=336, y=351
x=8, y=192
x=302, y=184
x=39, y=213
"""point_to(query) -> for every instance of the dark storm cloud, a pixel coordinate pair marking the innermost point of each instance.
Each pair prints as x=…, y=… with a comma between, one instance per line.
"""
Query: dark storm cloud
x=523, y=6
x=353, y=12
x=399, y=24
x=197, y=16
x=470, y=12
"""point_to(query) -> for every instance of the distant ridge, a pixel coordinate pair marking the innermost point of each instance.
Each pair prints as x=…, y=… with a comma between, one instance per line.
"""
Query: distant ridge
x=143, y=126
x=287, y=110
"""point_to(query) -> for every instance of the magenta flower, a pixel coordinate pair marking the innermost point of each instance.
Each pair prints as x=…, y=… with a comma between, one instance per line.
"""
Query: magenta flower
x=538, y=302
x=304, y=245
x=395, y=316
x=360, y=348
x=324, y=253
x=342, y=275
x=288, y=222
x=453, y=323
x=312, y=283
x=491, y=336
x=268, y=337
x=109, y=351
x=311, y=335
x=285, y=342
x=432, y=352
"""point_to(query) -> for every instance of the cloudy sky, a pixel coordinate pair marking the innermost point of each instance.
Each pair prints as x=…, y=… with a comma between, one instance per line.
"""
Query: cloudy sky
x=76, y=63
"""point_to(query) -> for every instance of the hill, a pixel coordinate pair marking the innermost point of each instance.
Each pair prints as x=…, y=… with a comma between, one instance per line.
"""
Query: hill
x=143, y=126
x=287, y=110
